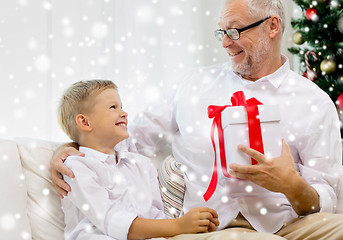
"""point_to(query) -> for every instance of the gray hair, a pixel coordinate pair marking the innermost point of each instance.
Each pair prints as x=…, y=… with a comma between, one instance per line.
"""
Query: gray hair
x=266, y=8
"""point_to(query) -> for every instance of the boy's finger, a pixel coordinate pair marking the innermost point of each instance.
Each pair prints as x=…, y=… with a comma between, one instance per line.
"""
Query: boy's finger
x=212, y=227
x=212, y=211
x=203, y=229
x=206, y=216
x=215, y=221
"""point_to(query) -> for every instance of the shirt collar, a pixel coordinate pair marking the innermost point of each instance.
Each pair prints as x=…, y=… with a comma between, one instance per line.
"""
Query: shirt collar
x=96, y=155
x=275, y=78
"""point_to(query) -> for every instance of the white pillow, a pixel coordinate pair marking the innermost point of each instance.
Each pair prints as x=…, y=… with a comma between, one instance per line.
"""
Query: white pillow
x=44, y=205
x=14, y=223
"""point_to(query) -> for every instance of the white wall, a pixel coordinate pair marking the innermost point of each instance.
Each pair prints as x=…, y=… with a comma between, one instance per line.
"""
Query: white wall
x=141, y=45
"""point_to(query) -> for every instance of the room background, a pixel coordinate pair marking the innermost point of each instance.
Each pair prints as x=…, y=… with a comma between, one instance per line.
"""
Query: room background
x=141, y=45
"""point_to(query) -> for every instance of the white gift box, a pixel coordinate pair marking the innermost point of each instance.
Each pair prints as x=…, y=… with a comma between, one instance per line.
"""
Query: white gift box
x=235, y=128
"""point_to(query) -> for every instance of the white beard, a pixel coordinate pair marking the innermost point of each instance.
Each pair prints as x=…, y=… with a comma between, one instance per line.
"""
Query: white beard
x=253, y=60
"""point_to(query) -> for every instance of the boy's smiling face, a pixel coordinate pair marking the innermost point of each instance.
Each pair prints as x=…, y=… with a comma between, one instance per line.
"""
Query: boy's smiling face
x=107, y=119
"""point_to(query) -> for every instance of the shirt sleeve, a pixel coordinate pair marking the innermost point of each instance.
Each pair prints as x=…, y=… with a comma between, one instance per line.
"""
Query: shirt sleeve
x=155, y=191
x=155, y=127
x=109, y=215
x=321, y=156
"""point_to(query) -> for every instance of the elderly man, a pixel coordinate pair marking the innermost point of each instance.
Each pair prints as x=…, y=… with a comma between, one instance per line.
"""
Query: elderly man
x=291, y=196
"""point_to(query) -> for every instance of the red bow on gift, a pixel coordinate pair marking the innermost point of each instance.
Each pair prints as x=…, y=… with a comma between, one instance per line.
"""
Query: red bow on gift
x=255, y=135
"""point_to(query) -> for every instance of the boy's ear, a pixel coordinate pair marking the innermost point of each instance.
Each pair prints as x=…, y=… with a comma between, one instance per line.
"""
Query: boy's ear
x=83, y=122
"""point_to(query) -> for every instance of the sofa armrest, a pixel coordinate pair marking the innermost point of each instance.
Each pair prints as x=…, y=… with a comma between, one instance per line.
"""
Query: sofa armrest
x=14, y=222
x=44, y=205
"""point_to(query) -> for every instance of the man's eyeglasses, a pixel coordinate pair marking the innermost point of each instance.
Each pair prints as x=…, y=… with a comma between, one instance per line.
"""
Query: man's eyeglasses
x=234, y=33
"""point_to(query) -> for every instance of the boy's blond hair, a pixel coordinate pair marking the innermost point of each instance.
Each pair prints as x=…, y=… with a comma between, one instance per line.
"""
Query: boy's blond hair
x=74, y=102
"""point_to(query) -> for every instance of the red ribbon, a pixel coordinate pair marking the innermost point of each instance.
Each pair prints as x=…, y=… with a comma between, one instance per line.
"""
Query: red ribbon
x=255, y=135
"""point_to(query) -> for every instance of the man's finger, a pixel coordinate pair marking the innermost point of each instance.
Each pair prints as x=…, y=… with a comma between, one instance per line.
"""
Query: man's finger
x=245, y=169
x=63, y=169
x=69, y=151
x=259, y=157
x=245, y=176
x=61, y=193
x=285, y=148
x=62, y=184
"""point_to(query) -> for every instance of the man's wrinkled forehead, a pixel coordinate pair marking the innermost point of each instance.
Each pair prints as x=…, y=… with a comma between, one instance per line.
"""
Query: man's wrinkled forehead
x=226, y=18
x=231, y=14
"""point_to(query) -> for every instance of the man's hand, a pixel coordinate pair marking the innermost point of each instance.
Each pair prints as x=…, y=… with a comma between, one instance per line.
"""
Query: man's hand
x=57, y=167
x=199, y=220
x=279, y=175
x=273, y=174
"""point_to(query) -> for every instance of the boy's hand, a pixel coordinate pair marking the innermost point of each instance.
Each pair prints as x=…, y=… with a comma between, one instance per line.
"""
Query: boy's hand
x=57, y=168
x=199, y=220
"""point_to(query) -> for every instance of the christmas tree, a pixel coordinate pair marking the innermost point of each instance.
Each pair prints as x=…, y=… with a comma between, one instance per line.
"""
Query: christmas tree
x=320, y=33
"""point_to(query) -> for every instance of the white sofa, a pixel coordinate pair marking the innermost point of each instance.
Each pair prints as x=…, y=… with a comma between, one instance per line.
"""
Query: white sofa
x=30, y=208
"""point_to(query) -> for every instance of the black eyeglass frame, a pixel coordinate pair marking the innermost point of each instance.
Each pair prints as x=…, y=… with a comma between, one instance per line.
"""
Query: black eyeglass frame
x=239, y=30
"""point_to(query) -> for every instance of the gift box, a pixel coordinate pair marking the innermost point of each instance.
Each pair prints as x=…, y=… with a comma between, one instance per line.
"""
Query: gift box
x=246, y=122
x=236, y=131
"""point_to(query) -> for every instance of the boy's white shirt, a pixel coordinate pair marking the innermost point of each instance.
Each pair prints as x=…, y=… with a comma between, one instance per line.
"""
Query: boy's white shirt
x=107, y=196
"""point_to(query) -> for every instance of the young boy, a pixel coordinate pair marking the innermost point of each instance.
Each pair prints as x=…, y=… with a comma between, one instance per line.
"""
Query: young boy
x=114, y=193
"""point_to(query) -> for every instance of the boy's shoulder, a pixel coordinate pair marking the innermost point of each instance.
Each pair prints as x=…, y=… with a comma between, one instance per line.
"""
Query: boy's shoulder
x=133, y=156
x=72, y=161
x=136, y=158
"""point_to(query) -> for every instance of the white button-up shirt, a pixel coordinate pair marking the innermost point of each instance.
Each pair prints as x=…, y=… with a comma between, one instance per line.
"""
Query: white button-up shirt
x=107, y=196
x=309, y=124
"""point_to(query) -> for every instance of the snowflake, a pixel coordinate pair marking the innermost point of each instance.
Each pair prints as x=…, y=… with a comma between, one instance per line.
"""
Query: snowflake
x=99, y=30
x=43, y=63
x=46, y=192
x=85, y=207
x=263, y=211
x=248, y=188
x=224, y=199
x=7, y=221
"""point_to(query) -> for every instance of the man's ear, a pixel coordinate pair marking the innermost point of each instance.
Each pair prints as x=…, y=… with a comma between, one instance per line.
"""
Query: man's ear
x=274, y=26
x=83, y=122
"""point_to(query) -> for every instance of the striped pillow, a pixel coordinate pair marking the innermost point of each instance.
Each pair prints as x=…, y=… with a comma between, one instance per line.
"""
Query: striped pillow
x=172, y=186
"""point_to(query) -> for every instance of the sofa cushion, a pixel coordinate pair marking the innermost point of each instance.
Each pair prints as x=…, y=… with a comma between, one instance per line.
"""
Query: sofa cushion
x=14, y=223
x=44, y=205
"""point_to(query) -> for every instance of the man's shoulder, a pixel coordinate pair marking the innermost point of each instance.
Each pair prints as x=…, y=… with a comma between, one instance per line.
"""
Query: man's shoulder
x=203, y=74
x=213, y=69
x=308, y=86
